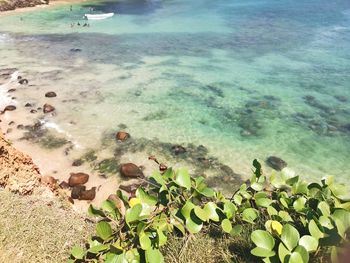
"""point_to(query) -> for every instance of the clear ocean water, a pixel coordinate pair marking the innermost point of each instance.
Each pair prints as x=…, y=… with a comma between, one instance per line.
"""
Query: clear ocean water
x=245, y=78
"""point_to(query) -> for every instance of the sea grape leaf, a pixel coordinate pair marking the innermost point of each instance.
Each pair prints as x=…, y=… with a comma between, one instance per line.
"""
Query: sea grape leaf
x=104, y=230
x=263, y=239
x=290, y=236
x=310, y=243
x=183, y=178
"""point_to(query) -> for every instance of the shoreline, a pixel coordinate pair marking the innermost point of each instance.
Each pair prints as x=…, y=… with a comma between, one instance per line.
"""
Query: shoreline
x=51, y=4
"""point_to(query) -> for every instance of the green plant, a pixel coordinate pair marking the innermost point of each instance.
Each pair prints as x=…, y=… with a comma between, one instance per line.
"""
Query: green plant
x=291, y=218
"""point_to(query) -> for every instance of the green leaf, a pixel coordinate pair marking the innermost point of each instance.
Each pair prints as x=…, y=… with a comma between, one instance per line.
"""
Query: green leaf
x=78, y=252
x=309, y=243
x=98, y=248
x=263, y=239
x=158, y=178
x=263, y=202
x=342, y=220
x=154, y=256
x=290, y=236
x=303, y=252
x=324, y=208
x=257, y=186
x=161, y=237
x=133, y=213
x=210, y=210
x=283, y=252
x=295, y=257
x=237, y=199
x=145, y=241
x=109, y=207
x=192, y=226
x=262, y=252
x=182, y=178
x=92, y=211
x=226, y=225
x=201, y=213
x=114, y=258
x=104, y=230
x=299, y=204
x=236, y=230
x=272, y=211
x=314, y=230
x=187, y=208
x=229, y=209
x=285, y=216
x=300, y=188
x=249, y=215
x=145, y=198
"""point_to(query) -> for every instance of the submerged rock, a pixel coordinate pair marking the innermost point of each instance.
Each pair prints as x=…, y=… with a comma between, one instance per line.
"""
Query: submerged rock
x=50, y=94
x=78, y=179
x=122, y=136
x=276, y=163
x=48, y=108
x=130, y=170
x=77, y=162
x=178, y=149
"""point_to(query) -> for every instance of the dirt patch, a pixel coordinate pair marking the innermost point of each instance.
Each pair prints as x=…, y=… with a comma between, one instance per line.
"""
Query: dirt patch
x=18, y=173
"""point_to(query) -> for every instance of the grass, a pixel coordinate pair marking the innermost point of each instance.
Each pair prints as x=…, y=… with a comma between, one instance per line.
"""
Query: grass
x=209, y=246
x=38, y=229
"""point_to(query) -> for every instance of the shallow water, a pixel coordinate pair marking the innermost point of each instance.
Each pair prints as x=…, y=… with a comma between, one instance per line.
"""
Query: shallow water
x=247, y=79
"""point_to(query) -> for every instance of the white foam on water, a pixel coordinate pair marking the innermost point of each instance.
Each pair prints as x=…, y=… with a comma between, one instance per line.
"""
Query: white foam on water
x=5, y=98
x=56, y=127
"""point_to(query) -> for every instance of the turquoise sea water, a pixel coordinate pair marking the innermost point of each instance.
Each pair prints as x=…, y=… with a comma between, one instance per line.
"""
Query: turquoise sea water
x=247, y=79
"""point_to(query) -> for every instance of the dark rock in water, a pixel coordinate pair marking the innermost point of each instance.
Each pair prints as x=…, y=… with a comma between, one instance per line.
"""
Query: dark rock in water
x=78, y=179
x=122, y=126
x=130, y=170
x=23, y=81
x=276, y=163
x=20, y=126
x=75, y=50
x=178, y=149
x=48, y=108
x=9, y=108
x=64, y=185
x=77, y=190
x=11, y=90
x=341, y=98
x=9, y=130
x=11, y=122
x=28, y=105
x=88, y=195
x=33, y=111
x=77, y=162
x=122, y=136
x=50, y=94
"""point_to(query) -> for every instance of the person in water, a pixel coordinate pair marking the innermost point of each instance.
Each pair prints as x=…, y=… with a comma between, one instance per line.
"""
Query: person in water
x=71, y=8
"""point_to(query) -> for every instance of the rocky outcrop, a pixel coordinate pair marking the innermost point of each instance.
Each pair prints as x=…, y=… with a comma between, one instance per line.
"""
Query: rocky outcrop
x=18, y=173
x=7, y=5
x=276, y=163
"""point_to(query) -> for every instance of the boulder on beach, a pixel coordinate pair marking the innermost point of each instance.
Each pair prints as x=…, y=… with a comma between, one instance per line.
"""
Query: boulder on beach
x=77, y=179
x=130, y=170
x=50, y=94
x=77, y=190
x=122, y=136
x=49, y=181
x=64, y=185
x=23, y=81
x=88, y=195
x=276, y=163
x=48, y=108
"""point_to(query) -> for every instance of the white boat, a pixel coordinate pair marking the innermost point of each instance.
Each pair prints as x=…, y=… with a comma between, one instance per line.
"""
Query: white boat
x=98, y=16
